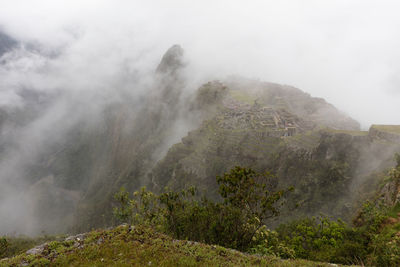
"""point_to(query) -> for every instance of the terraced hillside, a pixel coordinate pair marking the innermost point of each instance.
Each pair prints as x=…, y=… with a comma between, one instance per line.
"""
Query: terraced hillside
x=325, y=165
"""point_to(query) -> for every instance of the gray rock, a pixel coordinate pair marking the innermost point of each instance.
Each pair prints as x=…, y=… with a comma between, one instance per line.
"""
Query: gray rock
x=37, y=250
x=100, y=241
x=79, y=237
x=171, y=61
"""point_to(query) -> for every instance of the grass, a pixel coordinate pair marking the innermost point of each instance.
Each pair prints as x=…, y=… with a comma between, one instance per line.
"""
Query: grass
x=142, y=246
x=395, y=211
x=242, y=96
x=19, y=244
x=349, y=132
x=387, y=128
x=307, y=140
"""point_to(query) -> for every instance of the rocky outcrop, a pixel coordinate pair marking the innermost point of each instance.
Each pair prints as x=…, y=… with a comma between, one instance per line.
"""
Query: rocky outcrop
x=389, y=133
x=390, y=192
x=172, y=60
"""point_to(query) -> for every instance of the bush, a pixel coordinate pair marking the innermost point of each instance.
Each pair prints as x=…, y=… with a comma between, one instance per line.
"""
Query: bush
x=270, y=244
x=3, y=247
x=249, y=198
x=313, y=238
x=144, y=208
x=237, y=222
x=385, y=248
x=373, y=241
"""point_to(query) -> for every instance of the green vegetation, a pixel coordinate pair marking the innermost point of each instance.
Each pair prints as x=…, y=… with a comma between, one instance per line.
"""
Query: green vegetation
x=238, y=222
x=374, y=240
x=321, y=165
x=142, y=246
x=242, y=96
x=11, y=246
x=164, y=230
x=248, y=200
x=387, y=128
x=349, y=132
x=313, y=238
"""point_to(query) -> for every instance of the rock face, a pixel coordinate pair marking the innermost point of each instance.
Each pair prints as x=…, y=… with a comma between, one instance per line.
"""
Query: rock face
x=172, y=60
x=389, y=133
x=390, y=192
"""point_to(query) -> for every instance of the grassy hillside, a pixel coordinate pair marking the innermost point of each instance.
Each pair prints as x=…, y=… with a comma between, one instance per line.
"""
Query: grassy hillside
x=387, y=128
x=140, y=246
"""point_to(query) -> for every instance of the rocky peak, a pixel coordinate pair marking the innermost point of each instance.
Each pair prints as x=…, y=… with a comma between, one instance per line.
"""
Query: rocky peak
x=171, y=61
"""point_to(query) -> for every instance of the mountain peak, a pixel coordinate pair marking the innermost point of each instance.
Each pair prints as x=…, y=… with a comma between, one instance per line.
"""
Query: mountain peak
x=172, y=60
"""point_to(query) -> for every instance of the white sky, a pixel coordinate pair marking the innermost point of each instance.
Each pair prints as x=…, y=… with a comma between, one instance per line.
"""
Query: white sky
x=345, y=51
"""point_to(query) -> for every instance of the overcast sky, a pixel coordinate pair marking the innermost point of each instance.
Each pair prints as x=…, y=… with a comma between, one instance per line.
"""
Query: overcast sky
x=344, y=51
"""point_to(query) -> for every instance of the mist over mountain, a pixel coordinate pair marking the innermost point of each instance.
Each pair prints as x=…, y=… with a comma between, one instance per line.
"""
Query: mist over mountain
x=63, y=160
x=262, y=132
x=93, y=99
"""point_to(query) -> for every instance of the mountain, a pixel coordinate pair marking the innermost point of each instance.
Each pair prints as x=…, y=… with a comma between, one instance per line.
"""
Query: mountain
x=305, y=141
x=69, y=177
x=176, y=139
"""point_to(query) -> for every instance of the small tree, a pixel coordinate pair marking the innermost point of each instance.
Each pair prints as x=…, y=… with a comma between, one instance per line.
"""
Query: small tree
x=144, y=208
x=249, y=199
x=124, y=212
x=254, y=194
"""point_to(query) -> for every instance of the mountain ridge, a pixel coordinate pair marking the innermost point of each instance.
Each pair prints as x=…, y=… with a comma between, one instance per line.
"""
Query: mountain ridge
x=304, y=140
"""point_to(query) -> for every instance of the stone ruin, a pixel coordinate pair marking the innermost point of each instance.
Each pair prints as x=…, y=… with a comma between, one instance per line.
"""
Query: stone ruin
x=239, y=115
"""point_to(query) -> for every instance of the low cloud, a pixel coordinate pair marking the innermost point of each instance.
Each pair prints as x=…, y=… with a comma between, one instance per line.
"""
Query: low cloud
x=79, y=57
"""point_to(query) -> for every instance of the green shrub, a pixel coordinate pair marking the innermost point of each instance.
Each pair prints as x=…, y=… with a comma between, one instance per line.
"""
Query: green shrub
x=249, y=199
x=313, y=238
x=3, y=247
x=370, y=217
x=270, y=244
x=373, y=241
x=385, y=248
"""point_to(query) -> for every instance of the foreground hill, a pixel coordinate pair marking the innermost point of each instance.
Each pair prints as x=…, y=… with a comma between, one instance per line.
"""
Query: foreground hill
x=139, y=246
